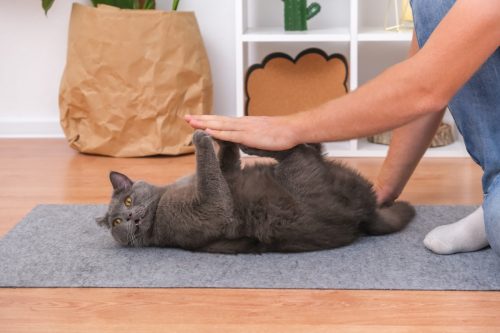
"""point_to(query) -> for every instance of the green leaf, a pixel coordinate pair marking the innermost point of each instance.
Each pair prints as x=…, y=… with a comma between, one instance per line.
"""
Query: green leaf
x=46, y=4
x=125, y=4
x=175, y=4
x=149, y=4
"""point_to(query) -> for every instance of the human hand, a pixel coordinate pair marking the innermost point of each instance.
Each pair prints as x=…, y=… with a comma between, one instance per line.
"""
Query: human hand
x=267, y=133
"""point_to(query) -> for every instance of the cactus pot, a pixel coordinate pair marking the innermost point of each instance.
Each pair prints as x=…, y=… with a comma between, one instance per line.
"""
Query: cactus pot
x=297, y=13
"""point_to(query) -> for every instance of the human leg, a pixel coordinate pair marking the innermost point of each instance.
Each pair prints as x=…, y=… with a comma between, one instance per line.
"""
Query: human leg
x=491, y=208
x=476, y=113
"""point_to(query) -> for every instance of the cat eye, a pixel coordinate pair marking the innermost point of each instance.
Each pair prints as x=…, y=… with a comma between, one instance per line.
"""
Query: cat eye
x=116, y=222
x=128, y=201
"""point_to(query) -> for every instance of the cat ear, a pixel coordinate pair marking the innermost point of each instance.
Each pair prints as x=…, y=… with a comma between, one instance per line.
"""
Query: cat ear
x=119, y=181
x=103, y=221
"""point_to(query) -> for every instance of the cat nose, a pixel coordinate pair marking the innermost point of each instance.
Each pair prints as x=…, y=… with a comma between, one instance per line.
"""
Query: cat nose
x=129, y=216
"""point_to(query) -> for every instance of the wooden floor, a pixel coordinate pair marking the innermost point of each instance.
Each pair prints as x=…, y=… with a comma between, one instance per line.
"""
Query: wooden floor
x=47, y=171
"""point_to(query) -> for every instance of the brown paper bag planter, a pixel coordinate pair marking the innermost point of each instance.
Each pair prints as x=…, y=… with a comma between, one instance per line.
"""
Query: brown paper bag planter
x=282, y=85
x=130, y=77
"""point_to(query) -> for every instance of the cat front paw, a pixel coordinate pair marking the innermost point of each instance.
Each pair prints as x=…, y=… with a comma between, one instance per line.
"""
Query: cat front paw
x=199, y=137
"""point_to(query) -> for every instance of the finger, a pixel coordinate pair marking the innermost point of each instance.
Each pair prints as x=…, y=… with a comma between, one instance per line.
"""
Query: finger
x=196, y=125
x=220, y=124
x=204, y=117
x=199, y=121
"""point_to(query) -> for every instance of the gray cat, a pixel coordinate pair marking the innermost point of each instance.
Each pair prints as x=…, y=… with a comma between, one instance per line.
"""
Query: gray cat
x=301, y=203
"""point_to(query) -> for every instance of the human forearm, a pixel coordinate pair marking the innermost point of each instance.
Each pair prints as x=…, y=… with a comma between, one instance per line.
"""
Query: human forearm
x=408, y=145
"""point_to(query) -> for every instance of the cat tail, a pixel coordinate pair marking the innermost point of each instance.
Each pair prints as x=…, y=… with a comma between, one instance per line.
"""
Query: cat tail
x=390, y=219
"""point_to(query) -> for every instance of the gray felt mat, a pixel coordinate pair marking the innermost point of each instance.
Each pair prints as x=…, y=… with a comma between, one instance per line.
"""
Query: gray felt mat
x=61, y=246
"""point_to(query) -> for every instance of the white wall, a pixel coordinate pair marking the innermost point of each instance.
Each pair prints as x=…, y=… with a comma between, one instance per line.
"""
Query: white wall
x=33, y=50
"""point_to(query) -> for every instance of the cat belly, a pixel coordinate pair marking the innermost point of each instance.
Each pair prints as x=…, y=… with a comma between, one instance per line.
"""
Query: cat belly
x=288, y=219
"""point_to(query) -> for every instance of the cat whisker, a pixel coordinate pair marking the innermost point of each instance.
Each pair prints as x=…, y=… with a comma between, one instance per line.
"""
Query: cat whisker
x=135, y=238
x=131, y=235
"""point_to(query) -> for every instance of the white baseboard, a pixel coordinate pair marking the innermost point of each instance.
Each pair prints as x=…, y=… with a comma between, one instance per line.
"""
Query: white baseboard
x=30, y=128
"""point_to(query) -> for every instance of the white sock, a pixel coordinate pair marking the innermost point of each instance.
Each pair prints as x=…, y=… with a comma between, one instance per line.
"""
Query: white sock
x=466, y=235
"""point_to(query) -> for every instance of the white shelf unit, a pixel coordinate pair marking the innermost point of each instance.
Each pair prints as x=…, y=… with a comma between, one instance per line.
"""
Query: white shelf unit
x=354, y=28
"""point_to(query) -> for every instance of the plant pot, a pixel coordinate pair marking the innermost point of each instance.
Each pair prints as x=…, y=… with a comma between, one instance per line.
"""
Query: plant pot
x=130, y=77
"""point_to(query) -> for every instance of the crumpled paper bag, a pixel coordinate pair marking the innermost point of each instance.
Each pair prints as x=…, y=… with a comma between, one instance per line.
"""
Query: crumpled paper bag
x=130, y=77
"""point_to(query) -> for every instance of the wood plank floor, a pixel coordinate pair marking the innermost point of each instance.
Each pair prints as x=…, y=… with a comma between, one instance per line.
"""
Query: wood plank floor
x=47, y=171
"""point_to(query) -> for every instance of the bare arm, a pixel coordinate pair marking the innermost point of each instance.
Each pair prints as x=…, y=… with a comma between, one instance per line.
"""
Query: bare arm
x=420, y=85
x=408, y=145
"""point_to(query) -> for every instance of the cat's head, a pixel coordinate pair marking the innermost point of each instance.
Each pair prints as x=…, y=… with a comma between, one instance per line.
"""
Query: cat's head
x=131, y=211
